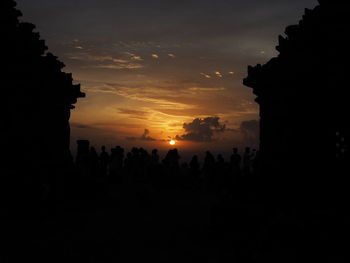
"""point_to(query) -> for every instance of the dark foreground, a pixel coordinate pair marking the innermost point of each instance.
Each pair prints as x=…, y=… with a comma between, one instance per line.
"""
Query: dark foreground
x=104, y=220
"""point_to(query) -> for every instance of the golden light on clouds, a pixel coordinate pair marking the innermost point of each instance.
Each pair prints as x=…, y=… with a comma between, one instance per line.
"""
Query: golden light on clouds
x=117, y=60
x=120, y=66
x=134, y=56
x=206, y=75
x=218, y=74
x=138, y=58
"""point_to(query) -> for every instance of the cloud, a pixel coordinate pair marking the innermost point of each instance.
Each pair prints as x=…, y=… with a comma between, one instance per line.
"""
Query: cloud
x=207, y=89
x=218, y=74
x=162, y=96
x=144, y=137
x=201, y=130
x=79, y=125
x=133, y=56
x=155, y=56
x=116, y=60
x=250, y=131
x=138, y=58
x=205, y=75
x=171, y=55
x=119, y=66
x=95, y=58
x=132, y=112
x=178, y=98
x=106, y=62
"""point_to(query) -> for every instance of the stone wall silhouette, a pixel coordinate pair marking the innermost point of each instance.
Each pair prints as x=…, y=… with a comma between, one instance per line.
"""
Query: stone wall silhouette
x=301, y=94
x=36, y=100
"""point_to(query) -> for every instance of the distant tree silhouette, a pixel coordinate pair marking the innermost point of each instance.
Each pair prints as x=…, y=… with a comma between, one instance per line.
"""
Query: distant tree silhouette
x=36, y=101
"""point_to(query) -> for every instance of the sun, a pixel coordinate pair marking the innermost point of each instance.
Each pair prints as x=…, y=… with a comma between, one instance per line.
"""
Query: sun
x=172, y=142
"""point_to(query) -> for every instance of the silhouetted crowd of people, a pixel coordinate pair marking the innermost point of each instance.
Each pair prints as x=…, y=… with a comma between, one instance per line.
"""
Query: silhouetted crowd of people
x=139, y=165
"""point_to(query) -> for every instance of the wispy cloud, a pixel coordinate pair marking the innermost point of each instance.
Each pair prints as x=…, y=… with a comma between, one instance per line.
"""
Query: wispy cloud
x=79, y=125
x=144, y=137
x=136, y=114
x=119, y=66
x=132, y=112
x=207, y=89
x=162, y=97
x=138, y=58
x=206, y=75
x=95, y=58
x=133, y=56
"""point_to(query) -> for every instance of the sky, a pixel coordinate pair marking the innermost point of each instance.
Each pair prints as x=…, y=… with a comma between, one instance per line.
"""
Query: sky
x=160, y=70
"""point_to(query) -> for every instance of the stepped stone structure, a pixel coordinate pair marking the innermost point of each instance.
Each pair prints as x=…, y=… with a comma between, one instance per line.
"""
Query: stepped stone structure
x=36, y=100
x=302, y=95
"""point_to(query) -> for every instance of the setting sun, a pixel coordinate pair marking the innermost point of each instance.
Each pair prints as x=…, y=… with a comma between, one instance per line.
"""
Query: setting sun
x=172, y=142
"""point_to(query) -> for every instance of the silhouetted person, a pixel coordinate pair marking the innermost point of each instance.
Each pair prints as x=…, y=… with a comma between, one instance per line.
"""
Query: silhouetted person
x=209, y=162
x=247, y=159
x=128, y=162
x=116, y=163
x=208, y=173
x=184, y=169
x=194, y=165
x=144, y=162
x=104, y=161
x=82, y=158
x=256, y=163
x=220, y=160
x=235, y=162
x=221, y=173
x=93, y=161
x=171, y=160
x=153, y=171
x=155, y=157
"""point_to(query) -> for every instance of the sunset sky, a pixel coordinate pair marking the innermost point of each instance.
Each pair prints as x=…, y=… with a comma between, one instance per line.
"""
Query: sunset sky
x=159, y=70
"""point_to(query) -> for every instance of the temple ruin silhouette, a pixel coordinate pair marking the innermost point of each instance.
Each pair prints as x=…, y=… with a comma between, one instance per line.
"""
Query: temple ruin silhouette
x=301, y=94
x=141, y=206
x=37, y=97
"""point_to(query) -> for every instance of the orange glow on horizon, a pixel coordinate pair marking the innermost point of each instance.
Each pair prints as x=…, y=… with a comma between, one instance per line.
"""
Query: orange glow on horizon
x=172, y=142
